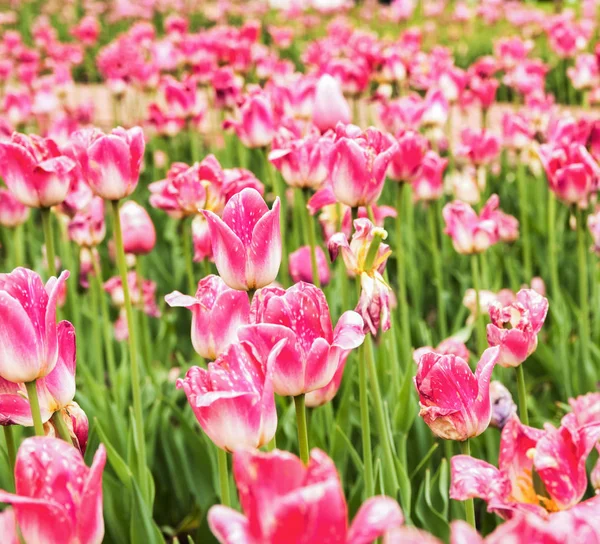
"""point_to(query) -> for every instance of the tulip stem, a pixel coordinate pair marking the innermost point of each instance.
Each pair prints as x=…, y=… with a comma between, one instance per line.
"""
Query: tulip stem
x=552, y=248
x=59, y=424
x=135, y=371
x=34, y=404
x=11, y=449
x=309, y=230
x=188, y=255
x=18, y=246
x=479, y=324
x=584, y=322
x=437, y=269
x=302, y=428
x=524, y=208
x=365, y=423
x=95, y=354
x=401, y=271
x=49, y=240
x=223, y=477
x=522, y=391
x=469, y=503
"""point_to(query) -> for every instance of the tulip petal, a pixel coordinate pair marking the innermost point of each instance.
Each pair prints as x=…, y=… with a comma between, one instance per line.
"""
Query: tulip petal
x=264, y=254
x=348, y=333
x=476, y=478
x=90, y=521
x=376, y=516
x=60, y=383
x=229, y=526
x=179, y=300
x=462, y=533
x=16, y=168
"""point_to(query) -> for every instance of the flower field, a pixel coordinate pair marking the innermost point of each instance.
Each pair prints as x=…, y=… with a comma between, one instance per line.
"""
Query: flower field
x=299, y=271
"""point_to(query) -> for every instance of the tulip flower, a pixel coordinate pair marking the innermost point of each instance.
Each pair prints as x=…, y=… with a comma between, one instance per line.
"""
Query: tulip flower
x=450, y=346
x=428, y=184
x=478, y=147
x=256, y=124
x=58, y=498
x=285, y=501
x=455, y=403
x=508, y=226
x=470, y=233
x=313, y=351
x=330, y=106
x=12, y=212
x=525, y=318
x=29, y=338
x=246, y=242
x=301, y=268
x=322, y=396
x=87, y=228
x=408, y=156
x=35, y=170
x=110, y=162
x=139, y=235
x=217, y=313
x=233, y=399
x=503, y=406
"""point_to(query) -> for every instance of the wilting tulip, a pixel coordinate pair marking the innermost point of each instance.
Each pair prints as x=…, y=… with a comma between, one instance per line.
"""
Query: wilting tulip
x=28, y=330
x=110, y=162
x=35, y=170
x=88, y=228
x=503, y=406
x=330, y=107
x=58, y=498
x=428, y=184
x=301, y=268
x=285, y=501
x=217, y=313
x=12, y=212
x=313, y=351
x=358, y=164
x=246, y=242
x=256, y=124
x=525, y=318
x=139, y=235
x=455, y=403
x=470, y=233
x=233, y=400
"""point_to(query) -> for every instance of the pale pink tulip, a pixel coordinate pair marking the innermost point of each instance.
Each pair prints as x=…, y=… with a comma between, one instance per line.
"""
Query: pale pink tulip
x=428, y=184
x=87, y=228
x=470, y=233
x=330, y=107
x=139, y=235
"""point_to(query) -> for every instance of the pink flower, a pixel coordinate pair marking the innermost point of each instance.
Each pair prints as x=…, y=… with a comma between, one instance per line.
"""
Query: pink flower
x=139, y=235
x=428, y=184
x=247, y=241
x=323, y=395
x=508, y=226
x=12, y=212
x=217, y=313
x=479, y=147
x=517, y=130
x=256, y=124
x=374, y=303
x=182, y=97
x=301, y=267
x=470, y=233
x=358, y=164
x=110, y=162
x=313, y=349
x=233, y=400
x=35, y=170
x=455, y=403
x=409, y=153
x=585, y=75
x=450, y=346
x=58, y=498
x=87, y=30
x=29, y=338
x=87, y=228
x=525, y=316
x=284, y=501
x=330, y=107
x=503, y=406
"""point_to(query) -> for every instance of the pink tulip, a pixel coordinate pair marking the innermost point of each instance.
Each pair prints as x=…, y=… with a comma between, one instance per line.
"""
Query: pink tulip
x=139, y=236
x=517, y=130
x=330, y=107
x=233, y=400
x=428, y=184
x=322, y=396
x=450, y=346
x=470, y=233
x=8, y=527
x=12, y=212
x=301, y=268
x=58, y=498
x=508, y=226
x=358, y=164
x=479, y=147
x=525, y=318
x=503, y=406
x=247, y=241
x=455, y=403
x=35, y=170
x=87, y=30
x=29, y=338
x=182, y=97
x=313, y=351
x=408, y=156
x=88, y=228
x=256, y=124
x=110, y=162
x=284, y=501
x=585, y=75
x=217, y=313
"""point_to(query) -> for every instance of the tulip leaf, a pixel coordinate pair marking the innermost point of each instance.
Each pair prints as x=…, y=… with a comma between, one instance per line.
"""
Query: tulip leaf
x=142, y=530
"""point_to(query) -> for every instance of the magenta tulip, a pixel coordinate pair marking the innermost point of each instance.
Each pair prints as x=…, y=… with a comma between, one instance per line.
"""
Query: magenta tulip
x=256, y=124
x=12, y=212
x=301, y=269
x=470, y=233
x=139, y=235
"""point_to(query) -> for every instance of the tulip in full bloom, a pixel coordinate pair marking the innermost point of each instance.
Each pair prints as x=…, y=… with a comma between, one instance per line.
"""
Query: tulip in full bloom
x=470, y=233
x=455, y=403
x=29, y=337
x=12, y=212
x=301, y=268
x=313, y=351
x=478, y=147
x=284, y=501
x=330, y=106
x=139, y=235
x=233, y=399
x=428, y=184
x=246, y=242
x=217, y=313
x=58, y=498
x=524, y=318
x=35, y=170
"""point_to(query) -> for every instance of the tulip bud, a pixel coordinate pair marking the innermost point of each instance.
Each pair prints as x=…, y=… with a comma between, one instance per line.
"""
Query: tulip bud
x=301, y=267
x=330, y=106
x=139, y=235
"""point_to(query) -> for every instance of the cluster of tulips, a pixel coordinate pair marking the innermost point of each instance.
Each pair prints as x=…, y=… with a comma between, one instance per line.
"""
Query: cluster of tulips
x=253, y=181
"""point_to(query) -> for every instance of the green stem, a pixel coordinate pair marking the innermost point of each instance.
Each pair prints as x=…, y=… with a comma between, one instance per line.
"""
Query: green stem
x=437, y=269
x=35, y=408
x=584, y=322
x=135, y=371
x=522, y=392
x=525, y=234
x=19, y=250
x=11, y=448
x=365, y=424
x=469, y=503
x=61, y=427
x=188, y=255
x=552, y=247
x=95, y=345
x=223, y=477
x=479, y=324
x=302, y=428
x=49, y=240
x=310, y=234
x=146, y=342
x=401, y=272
